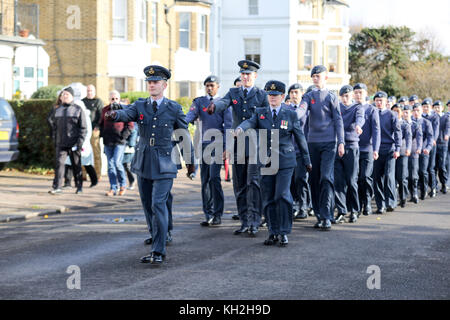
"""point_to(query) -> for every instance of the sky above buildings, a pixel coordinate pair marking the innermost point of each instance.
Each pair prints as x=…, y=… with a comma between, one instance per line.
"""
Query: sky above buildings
x=430, y=16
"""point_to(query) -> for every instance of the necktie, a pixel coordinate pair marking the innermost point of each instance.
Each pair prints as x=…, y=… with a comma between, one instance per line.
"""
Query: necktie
x=245, y=93
x=155, y=106
x=211, y=99
x=274, y=115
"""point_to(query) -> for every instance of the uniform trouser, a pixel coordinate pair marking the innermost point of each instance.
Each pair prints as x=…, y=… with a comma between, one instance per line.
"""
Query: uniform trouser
x=299, y=185
x=75, y=160
x=247, y=192
x=346, y=181
x=277, y=201
x=321, y=179
x=401, y=176
x=423, y=173
x=365, y=180
x=384, y=180
x=95, y=143
x=448, y=165
x=432, y=182
x=212, y=193
x=441, y=163
x=413, y=175
x=154, y=197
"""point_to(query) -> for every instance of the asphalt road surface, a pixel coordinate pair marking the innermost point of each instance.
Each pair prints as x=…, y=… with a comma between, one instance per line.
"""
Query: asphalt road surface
x=399, y=255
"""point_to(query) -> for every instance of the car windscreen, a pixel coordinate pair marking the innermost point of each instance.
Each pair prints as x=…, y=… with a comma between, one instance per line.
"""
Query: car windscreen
x=5, y=110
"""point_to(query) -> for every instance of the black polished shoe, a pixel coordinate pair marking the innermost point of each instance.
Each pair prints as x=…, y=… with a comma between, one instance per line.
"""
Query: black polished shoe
x=402, y=203
x=241, y=230
x=169, y=238
x=216, y=221
x=235, y=217
x=432, y=194
x=318, y=225
x=381, y=211
x=326, y=225
x=415, y=200
x=390, y=209
x=271, y=240
x=252, y=231
x=206, y=223
x=422, y=196
x=301, y=214
x=353, y=218
x=310, y=212
x=444, y=189
x=79, y=190
x=148, y=241
x=263, y=223
x=284, y=240
x=340, y=218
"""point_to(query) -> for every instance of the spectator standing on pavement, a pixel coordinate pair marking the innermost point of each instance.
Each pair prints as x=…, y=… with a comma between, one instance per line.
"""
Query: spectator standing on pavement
x=128, y=156
x=95, y=106
x=68, y=124
x=115, y=135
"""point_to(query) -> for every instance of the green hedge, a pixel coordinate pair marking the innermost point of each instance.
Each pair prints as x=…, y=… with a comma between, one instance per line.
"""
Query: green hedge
x=35, y=144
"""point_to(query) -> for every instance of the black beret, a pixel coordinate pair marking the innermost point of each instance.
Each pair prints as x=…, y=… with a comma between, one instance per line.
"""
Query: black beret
x=380, y=94
x=248, y=66
x=211, y=78
x=318, y=69
x=395, y=106
x=295, y=86
x=448, y=102
x=403, y=99
x=360, y=86
x=274, y=87
x=345, y=89
x=427, y=101
x=407, y=107
x=416, y=105
x=392, y=99
x=156, y=73
x=437, y=103
x=413, y=98
x=70, y=90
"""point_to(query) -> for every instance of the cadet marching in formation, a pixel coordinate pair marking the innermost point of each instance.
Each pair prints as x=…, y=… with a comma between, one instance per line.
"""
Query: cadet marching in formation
x=331, y=155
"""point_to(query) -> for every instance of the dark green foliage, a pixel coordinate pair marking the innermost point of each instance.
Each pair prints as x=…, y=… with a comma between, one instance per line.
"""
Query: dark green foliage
x=35, y=144
x=48, y=92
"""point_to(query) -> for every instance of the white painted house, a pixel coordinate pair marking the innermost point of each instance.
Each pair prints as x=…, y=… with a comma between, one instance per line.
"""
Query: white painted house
x=287, y=38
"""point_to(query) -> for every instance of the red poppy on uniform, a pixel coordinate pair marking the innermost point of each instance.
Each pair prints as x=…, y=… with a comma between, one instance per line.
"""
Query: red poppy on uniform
x=234, y=101
x=262, y=117
x=313, y=101
x=204, y=109
x=141, y=117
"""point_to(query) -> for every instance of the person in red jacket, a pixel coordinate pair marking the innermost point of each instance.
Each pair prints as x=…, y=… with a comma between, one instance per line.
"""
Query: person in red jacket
x=115, y=136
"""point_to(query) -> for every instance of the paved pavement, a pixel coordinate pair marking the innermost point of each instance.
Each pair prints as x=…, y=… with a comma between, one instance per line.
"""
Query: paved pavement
x=406, y=253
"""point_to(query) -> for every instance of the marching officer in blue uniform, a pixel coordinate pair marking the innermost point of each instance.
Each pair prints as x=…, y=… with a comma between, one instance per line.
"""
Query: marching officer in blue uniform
x=442, y=144
x=157, y=118
x=427, y=145
x=429, y=114
x=416, y=149
x=448, y=152
x=299, y=186
x=401, y=164
x=369, y=145
x=325, y=135
x=243, y=102
x=212, y=193
x=384, y=166
x=275, y=186
x=346, y=167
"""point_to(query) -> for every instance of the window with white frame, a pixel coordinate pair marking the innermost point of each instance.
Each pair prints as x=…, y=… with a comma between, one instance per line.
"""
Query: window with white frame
x=120, y=19
x=332, y=58
x=184, y=89
x=202, y=33
x=154, y=22
x=185, y=29
x=253, y=7
x=142, y=19
x=252, y=49
x=308, y=52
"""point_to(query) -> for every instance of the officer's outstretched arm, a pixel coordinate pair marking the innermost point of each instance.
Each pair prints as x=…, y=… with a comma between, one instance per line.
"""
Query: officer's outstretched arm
x=223, y=103
x=129, y=114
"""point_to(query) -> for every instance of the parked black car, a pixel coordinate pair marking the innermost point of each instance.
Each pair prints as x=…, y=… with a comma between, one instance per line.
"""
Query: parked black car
x=9, y=134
